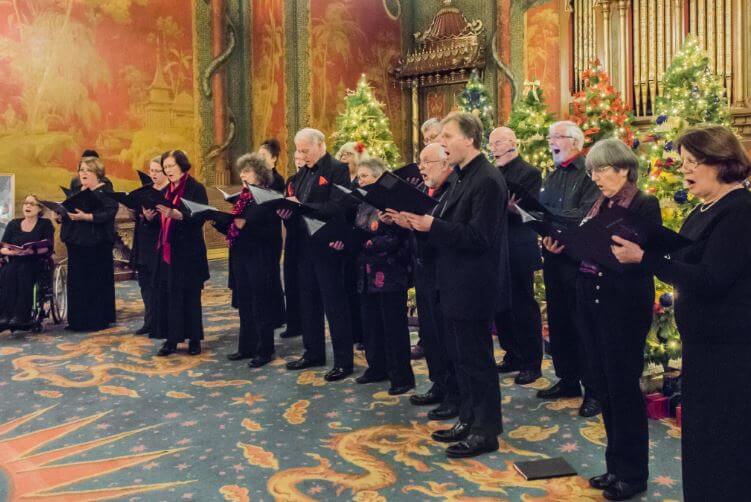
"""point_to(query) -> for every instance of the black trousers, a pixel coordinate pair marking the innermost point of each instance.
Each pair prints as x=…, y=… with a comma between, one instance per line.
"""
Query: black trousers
x=614, y=326
x=276, y=292
x=520, y=328
x=433, y=335
x=291, y=291
x=566, y=345
x=387, y=347
x=146, y=284
x=470, y=347
x=91, y=287
x=716, y=404
x=17, y=279
x=322, y=291
x=179, y=314
x=253, y=281
x=355, y=310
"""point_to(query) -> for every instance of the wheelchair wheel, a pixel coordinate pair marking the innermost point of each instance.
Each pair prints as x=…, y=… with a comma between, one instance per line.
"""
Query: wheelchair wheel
x=59, y=299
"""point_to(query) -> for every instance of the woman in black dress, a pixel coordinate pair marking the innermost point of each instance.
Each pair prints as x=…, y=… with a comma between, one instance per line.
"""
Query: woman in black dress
x=614, y=314
x=252, y=239
x=145, y=238
x=23, y=267
x=181, y=264
x=384, y=267
x=89, y=238
x=712, y=281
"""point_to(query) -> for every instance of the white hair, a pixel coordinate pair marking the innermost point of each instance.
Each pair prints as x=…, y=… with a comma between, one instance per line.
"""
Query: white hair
x=571, y=129
x=431, y=122
x=312, y=135
x=442, y=155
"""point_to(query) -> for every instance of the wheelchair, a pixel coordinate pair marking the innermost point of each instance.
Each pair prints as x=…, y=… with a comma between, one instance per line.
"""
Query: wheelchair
x=50, y=298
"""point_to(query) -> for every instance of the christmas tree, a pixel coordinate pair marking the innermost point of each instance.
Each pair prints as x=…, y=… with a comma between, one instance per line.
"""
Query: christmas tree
x=599, y=109
x=475, y=100
x=663, y=341
x=692, y=94
x=530, y=120
x=363, y=120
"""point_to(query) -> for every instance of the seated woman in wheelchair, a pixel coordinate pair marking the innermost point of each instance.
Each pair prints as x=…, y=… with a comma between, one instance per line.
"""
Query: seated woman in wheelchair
x=24, y=264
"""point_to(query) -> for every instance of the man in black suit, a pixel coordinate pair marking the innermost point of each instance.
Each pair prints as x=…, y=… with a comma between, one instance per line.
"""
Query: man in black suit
x=520, y=326
x=468, y=229
x=320, y=271
x=568, y=193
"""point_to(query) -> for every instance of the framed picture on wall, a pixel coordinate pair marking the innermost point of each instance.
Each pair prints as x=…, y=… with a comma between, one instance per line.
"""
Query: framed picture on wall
x=7, y=199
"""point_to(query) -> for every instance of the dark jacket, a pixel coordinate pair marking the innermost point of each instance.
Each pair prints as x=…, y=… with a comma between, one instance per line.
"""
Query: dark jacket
x=145, y=238
x=90, y=233
x=470, y=235
x=385, y=261
x=712, y=276
x=524, y=248
x=190, y=265
x=569, y=193
x=277, y=181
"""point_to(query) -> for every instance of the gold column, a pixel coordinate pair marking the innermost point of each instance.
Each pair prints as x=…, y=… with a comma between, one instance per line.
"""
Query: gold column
x=607, y=56
x=693, y=27
x=579, y=34
x=652, y=63
x=741, y=51
x=623, y=6
x=677, y=26
x=415, y=121
x=701, y=21
x=660, y=45
x=711, y=41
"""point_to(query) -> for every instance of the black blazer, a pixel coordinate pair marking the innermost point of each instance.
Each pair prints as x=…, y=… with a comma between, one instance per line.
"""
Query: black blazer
x=470, y=234
x=190, y=265
x=524, y=248
x=91, y=233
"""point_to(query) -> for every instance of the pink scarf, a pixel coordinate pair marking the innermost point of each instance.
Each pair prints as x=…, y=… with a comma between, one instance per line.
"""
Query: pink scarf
x=174, y=195
x=242, y=202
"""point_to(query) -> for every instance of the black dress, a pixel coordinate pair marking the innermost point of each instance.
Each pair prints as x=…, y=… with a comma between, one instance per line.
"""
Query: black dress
x=383, y=270
x=712, y=280
x=91, y=270
x=179, y=315
x=145, y=238
x=350, y=283
x=614, y=314
x=255, y=270
x=20, y=273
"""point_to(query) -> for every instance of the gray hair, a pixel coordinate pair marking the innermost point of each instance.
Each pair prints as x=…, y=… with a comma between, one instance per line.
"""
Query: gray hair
x=572, y=129
x=255, y=163
x=351, y=147
x=614, y=153
x=431, y=122
x=376, y=166
x=442, y=155
x=312, y=135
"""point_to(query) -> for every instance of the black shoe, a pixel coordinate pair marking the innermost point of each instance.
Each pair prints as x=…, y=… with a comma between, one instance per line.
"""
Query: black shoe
x=337, y=373
x=258, y=361
x=238, y=356
x=473, y=446
x=526, y=377
x=444, y=412
x=17, y=323
x=370, y=378
x=194, y=348
x=458, y=432
x=417, y=352
x=360, y=346
x=602, y=481
x=304, y=362
x=589, y=408
x=433, y=396
x=143, y=330
x=507, y=367
x=400, y=389
x=620, y=490
x=561, y=389
x=289, y=334
x=166, y=350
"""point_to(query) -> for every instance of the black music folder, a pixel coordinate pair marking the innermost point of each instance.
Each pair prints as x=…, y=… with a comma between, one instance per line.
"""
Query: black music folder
x=147, y=197
x=145, y=178
x=410, y=173
x=527, y=201
x=542, y=225
x=326, y=232
x=229, y=197
x=197, y=210
x=85, y=200
x=276, y=200
x=544, y=469
x=391, y=192
x=67, y=191
x=592, y=241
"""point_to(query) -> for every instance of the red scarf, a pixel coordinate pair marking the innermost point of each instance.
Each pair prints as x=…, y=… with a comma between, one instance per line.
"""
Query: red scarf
x=237, y=210
x=174, y=195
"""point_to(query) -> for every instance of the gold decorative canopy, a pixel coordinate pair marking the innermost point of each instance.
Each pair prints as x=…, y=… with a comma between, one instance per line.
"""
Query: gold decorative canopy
x=445, y=53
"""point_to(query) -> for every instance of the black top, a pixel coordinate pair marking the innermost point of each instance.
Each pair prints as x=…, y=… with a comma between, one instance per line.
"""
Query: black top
x=712, y=276
x=15, y=235
x=470, y=235
x=261, y=232
x=524, y=249
x=145, y=237
x=277, y=181
x=569, y=193
x=90, y=233
x=425, y=252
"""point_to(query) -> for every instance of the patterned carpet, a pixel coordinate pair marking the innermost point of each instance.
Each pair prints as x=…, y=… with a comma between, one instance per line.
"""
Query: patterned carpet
x=96, y=416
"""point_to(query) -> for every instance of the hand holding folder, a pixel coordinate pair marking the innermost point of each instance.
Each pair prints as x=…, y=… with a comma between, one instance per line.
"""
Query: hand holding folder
x=277, y=201
x=84, y=201
x=146, y=197
x=229, y=197
x=391, y=192
x=325, y=233
x=197, y=210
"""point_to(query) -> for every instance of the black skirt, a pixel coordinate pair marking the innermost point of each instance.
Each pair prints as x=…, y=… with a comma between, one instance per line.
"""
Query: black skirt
x=177, y=307
x=17, y=279
x=91, y=287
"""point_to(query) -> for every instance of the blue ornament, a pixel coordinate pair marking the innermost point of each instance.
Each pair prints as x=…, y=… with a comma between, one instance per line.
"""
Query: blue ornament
x=666, y=300
x=668, y=146
x=635, y=144
x=681, y=196
x=661, y=119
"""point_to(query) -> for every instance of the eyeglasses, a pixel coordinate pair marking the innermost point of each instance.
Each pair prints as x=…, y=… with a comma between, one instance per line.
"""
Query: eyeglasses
x=690, y=166
x=597, y=170
x=558, y=137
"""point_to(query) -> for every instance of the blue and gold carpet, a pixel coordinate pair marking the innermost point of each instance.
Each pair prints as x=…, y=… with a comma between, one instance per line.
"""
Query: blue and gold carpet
x=88, y=417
